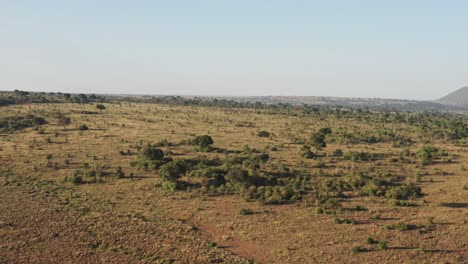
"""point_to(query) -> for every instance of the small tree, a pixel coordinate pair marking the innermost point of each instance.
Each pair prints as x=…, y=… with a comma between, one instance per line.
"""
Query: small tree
x=173, y=170
x=338, y=153
x=317, y=140
x=325, y=131
x=152, y=153
x=83, y=98
x=426, y=154
x=119, y=173
x=63, y=121
x=39, y=121
x=263, y=133
x=306, y=153
x=100, y=107
x=203, y=142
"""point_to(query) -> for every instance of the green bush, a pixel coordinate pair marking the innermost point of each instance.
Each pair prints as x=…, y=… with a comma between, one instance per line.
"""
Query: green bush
x=173, y=170
x=383, y=245
x=15, y=123
x=263, y=133
x=203, y=141
x=325, y=131
x=370, y=240
x=63, y=120
x=152, y=153
x=305, y=152
x=169, y=185
x=245, y=211
x=100, y=106
x=317, y=140
x=404, y=192
x=236, y=175
x=428, y=153
x=338, y=153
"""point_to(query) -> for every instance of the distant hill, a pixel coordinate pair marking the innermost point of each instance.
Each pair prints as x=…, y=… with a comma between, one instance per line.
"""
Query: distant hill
x=371, y=103
x=458, y=98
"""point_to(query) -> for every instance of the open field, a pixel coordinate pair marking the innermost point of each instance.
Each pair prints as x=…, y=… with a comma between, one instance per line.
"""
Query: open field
x=374, y=188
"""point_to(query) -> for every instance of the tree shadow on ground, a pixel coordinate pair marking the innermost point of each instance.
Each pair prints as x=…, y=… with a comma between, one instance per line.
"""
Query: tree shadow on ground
x=455, y=205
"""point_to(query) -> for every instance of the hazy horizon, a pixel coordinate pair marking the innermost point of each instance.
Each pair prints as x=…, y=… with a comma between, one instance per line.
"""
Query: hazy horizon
x=399, y=50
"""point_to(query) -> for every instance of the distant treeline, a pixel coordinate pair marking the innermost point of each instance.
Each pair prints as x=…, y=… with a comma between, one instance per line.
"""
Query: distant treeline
x=411, y=106
x=23, y=97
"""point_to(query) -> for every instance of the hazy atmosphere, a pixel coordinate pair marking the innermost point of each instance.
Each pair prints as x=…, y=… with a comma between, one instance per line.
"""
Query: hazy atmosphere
x=389, y=49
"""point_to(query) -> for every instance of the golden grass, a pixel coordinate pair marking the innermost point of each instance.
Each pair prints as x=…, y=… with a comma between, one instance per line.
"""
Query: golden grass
x=158, y=220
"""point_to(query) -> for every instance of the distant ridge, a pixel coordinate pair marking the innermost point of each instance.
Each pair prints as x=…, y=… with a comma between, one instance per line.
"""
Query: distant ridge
x=457, y=98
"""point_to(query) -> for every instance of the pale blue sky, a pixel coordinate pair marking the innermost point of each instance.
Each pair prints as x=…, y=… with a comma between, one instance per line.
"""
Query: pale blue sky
x=413, y=49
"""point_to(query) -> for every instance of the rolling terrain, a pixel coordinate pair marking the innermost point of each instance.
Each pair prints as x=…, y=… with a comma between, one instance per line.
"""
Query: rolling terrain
x=141, y=182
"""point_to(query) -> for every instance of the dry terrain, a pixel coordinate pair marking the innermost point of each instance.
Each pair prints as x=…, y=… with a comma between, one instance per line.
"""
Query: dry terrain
x=71, y=195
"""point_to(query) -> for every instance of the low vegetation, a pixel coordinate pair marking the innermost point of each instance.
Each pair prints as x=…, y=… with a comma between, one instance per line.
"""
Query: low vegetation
x=237, y=178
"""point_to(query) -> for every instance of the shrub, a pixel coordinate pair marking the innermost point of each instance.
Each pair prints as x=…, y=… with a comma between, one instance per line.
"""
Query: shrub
x=325, y=131
x=358, y=156
x=402, y=226
x=173, y=170
x=83, y=127
x=14, y=123
x=100, y=106
x=245, y=211
x=152, y=153
x=39, y=121
x=63, y=120
x=305, y=152
x=212, y=245
x=428, y=153
x=317, y=140
x=383, y=245
x=169, y=185
x=77, y=178
x=203, y=142
x=319, y=210
x=119, y=173
x=338, y=153
x=274, y=198
x=370, y=240
x=263, y=133
x=404, y=192
x=236, y=175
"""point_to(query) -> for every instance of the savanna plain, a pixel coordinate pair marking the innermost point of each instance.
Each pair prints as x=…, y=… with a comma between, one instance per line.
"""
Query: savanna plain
x=140, y=182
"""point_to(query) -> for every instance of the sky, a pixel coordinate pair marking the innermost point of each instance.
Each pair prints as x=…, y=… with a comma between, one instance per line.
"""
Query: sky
x=402, y=49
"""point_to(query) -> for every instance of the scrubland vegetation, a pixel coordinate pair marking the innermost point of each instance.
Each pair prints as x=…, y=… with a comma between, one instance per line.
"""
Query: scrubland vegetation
x=88, y=178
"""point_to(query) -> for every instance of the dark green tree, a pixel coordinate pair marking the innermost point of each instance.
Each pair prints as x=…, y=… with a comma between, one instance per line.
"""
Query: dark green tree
x=203, y=142
x=152, y=153
x=100, y=107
